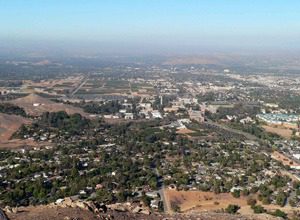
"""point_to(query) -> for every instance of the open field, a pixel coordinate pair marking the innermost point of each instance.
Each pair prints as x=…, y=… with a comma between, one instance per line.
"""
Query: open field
x=44, y=105
x=184, y=131
x=279, y=130
x=99, y=86
x=66, y=82
x=142, y=88
x=55, y=86
x=198, y=201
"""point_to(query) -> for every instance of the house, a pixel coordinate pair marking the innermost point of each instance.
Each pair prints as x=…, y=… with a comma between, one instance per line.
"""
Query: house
x=246, y=120
x=129, y=116
x=156, y=114
x=122, y=111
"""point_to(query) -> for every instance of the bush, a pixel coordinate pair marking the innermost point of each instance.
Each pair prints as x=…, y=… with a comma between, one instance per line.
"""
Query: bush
x=236, y=193
x=245, y=192
x=281, y=199
x=266, y=200
x=258, y=209
x=293, y=201
x=279, y=213
x=232, y=209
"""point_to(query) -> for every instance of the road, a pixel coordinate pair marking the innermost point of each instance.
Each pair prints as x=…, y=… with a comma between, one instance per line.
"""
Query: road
x=80, y=85
x=161, y=191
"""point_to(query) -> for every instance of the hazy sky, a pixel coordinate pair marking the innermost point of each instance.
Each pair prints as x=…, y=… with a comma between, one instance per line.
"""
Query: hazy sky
x=151, y=25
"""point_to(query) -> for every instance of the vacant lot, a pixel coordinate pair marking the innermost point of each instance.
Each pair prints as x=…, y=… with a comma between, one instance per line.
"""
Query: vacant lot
x=281, y=131
x=202, y=201
x=198, y=201
x=283, y=159
x=35, y=105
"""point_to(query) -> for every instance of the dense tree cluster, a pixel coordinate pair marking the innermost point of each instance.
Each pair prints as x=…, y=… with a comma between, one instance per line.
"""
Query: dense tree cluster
x=8, y=108
x=110, y=107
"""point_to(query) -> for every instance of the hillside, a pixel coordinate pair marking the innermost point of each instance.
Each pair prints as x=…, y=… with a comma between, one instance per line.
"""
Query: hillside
x=35, y=105
x=68, y=213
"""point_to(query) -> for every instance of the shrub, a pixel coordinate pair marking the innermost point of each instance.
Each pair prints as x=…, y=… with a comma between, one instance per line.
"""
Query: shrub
x=258, y=209
x=232, y=209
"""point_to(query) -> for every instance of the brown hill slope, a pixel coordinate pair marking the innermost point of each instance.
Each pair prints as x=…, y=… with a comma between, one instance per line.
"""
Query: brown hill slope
x=35, y=105
x=9, y=124
x=68, y=213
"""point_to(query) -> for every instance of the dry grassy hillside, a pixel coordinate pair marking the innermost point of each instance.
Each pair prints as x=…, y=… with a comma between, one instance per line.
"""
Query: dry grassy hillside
x=35, y=105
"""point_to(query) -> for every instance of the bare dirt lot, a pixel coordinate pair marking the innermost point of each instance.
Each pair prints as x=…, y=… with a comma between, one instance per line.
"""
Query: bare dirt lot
x=198, y=201
x=280, y=130
x=35, y=105
x=184, y=131
x=283, y=159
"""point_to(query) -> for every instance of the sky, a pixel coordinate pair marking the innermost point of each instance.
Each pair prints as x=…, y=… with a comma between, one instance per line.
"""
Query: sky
x=150, y=26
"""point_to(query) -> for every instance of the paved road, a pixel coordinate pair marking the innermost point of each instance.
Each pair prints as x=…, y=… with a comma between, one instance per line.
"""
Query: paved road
x=161, y=192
